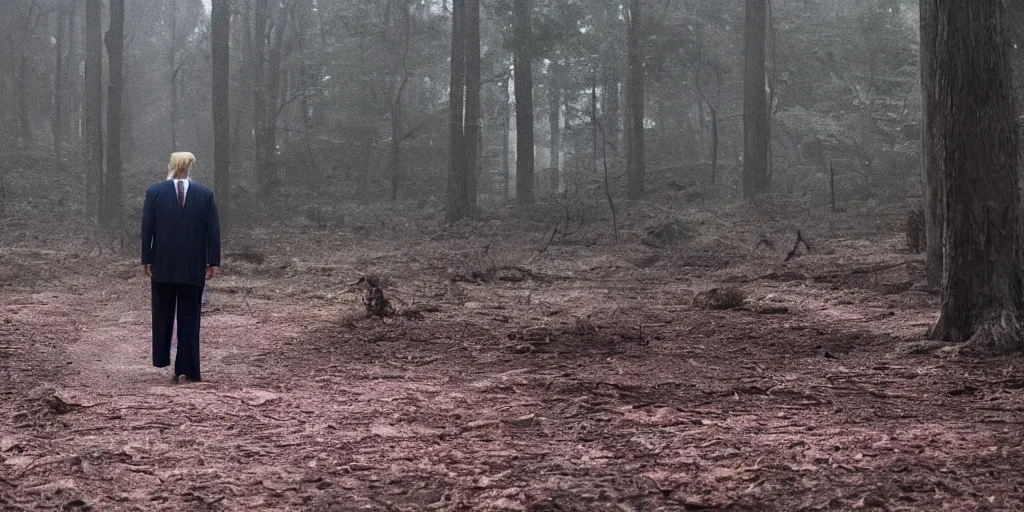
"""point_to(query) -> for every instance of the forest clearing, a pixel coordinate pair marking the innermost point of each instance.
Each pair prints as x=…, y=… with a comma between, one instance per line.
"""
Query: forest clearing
x=591, y=383
x=511, y=255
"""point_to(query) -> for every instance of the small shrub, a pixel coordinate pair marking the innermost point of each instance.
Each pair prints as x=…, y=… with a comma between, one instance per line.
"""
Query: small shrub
x=729, y=297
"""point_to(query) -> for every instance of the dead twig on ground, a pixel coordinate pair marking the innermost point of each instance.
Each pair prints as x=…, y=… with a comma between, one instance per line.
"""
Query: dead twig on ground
x=798, y=276
x=796, y=246
x=550, y=239
x=860, y=270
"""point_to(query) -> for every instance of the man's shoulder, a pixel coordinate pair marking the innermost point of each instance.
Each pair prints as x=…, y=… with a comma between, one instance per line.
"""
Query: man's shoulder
x=199, y=187
x=156, y=187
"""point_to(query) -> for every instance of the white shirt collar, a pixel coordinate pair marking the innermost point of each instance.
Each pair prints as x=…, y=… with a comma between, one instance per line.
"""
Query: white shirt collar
x=185, y=181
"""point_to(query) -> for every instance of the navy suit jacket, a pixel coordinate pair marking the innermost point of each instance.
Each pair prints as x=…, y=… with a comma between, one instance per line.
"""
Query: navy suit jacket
x=180, y=242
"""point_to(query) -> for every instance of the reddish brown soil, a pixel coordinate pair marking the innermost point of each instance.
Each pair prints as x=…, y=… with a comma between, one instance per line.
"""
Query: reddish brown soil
x=593, y=385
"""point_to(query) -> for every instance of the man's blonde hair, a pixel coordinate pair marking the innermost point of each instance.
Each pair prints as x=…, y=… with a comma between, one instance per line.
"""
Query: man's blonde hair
x=180, y=165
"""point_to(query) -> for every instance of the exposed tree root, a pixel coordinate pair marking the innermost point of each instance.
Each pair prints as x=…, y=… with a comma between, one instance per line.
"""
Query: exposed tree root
x=1000, y=331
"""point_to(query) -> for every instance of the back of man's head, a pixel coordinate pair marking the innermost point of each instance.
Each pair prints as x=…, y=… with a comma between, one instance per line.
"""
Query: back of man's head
x=180, y=165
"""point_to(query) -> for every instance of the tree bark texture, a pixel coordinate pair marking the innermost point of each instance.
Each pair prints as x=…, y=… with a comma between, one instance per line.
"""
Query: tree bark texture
x=401, y=79
x=115, y=91
x=972, y=118
x=612, y=110
x=268, y=142
x=57, y=121
x=756, y=179
x=458, y=207
x=635, y=96
x=94, y=104
x=24, y=126
x=220, y=28
x=173, y=68
x=258, y=35
x=930, y=148
x=473, y=114
x=554, y=124
x=506, y=133
x=74, y=60
x=523, y=62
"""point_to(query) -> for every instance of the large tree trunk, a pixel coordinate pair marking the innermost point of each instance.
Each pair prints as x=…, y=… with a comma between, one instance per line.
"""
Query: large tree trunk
x=524, y=101
x=268, y=144
x=257, y=60
x=982, y=291
x=554, y=125
x=635, y=167
x=57, y=121
x=473, y=136
x=173, y=68
x=94, y=104
x=74, y=83
x=402, y=79
x=458, y=197
x=930, y=149
x=756, y=179
x=115, y=90
x=220, y=28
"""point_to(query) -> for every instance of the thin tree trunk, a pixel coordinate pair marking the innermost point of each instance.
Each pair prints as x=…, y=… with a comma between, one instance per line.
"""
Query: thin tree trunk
x=635, y=96
x=506, y=132
x=363, y=173
x=714, y=145
x=57, y=121
x=259, y=93
x=472, y=119
x=755, y=107
x=396, y=149
x=930, y=150
x=982, y=290
x=613, y=116
x=524, y=101
x=94, y=104
x=457, y=153
x=236, y=136
x=172, y=67
x=24, y=127
x=115, y=90
x=554, y=125
x=220, y=51
x=771, y=79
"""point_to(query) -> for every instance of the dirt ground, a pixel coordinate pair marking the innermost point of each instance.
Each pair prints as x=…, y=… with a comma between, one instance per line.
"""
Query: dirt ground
x=577, y=376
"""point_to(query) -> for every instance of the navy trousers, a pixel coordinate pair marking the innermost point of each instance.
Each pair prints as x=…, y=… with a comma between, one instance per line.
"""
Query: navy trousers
x=187, y=299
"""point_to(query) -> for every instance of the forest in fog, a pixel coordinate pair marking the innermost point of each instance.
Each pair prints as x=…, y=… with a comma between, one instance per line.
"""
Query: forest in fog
x=511, y=255
x=355, y=95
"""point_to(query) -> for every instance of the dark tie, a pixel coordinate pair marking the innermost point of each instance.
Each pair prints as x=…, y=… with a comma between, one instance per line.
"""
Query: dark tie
x=181, y=193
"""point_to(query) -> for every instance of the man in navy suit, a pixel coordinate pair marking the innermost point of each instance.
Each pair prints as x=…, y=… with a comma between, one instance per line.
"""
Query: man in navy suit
x=180, y=251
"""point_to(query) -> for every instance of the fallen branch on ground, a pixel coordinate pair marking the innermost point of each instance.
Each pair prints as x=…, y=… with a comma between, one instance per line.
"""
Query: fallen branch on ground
x=797, y=276
x=495, y=274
